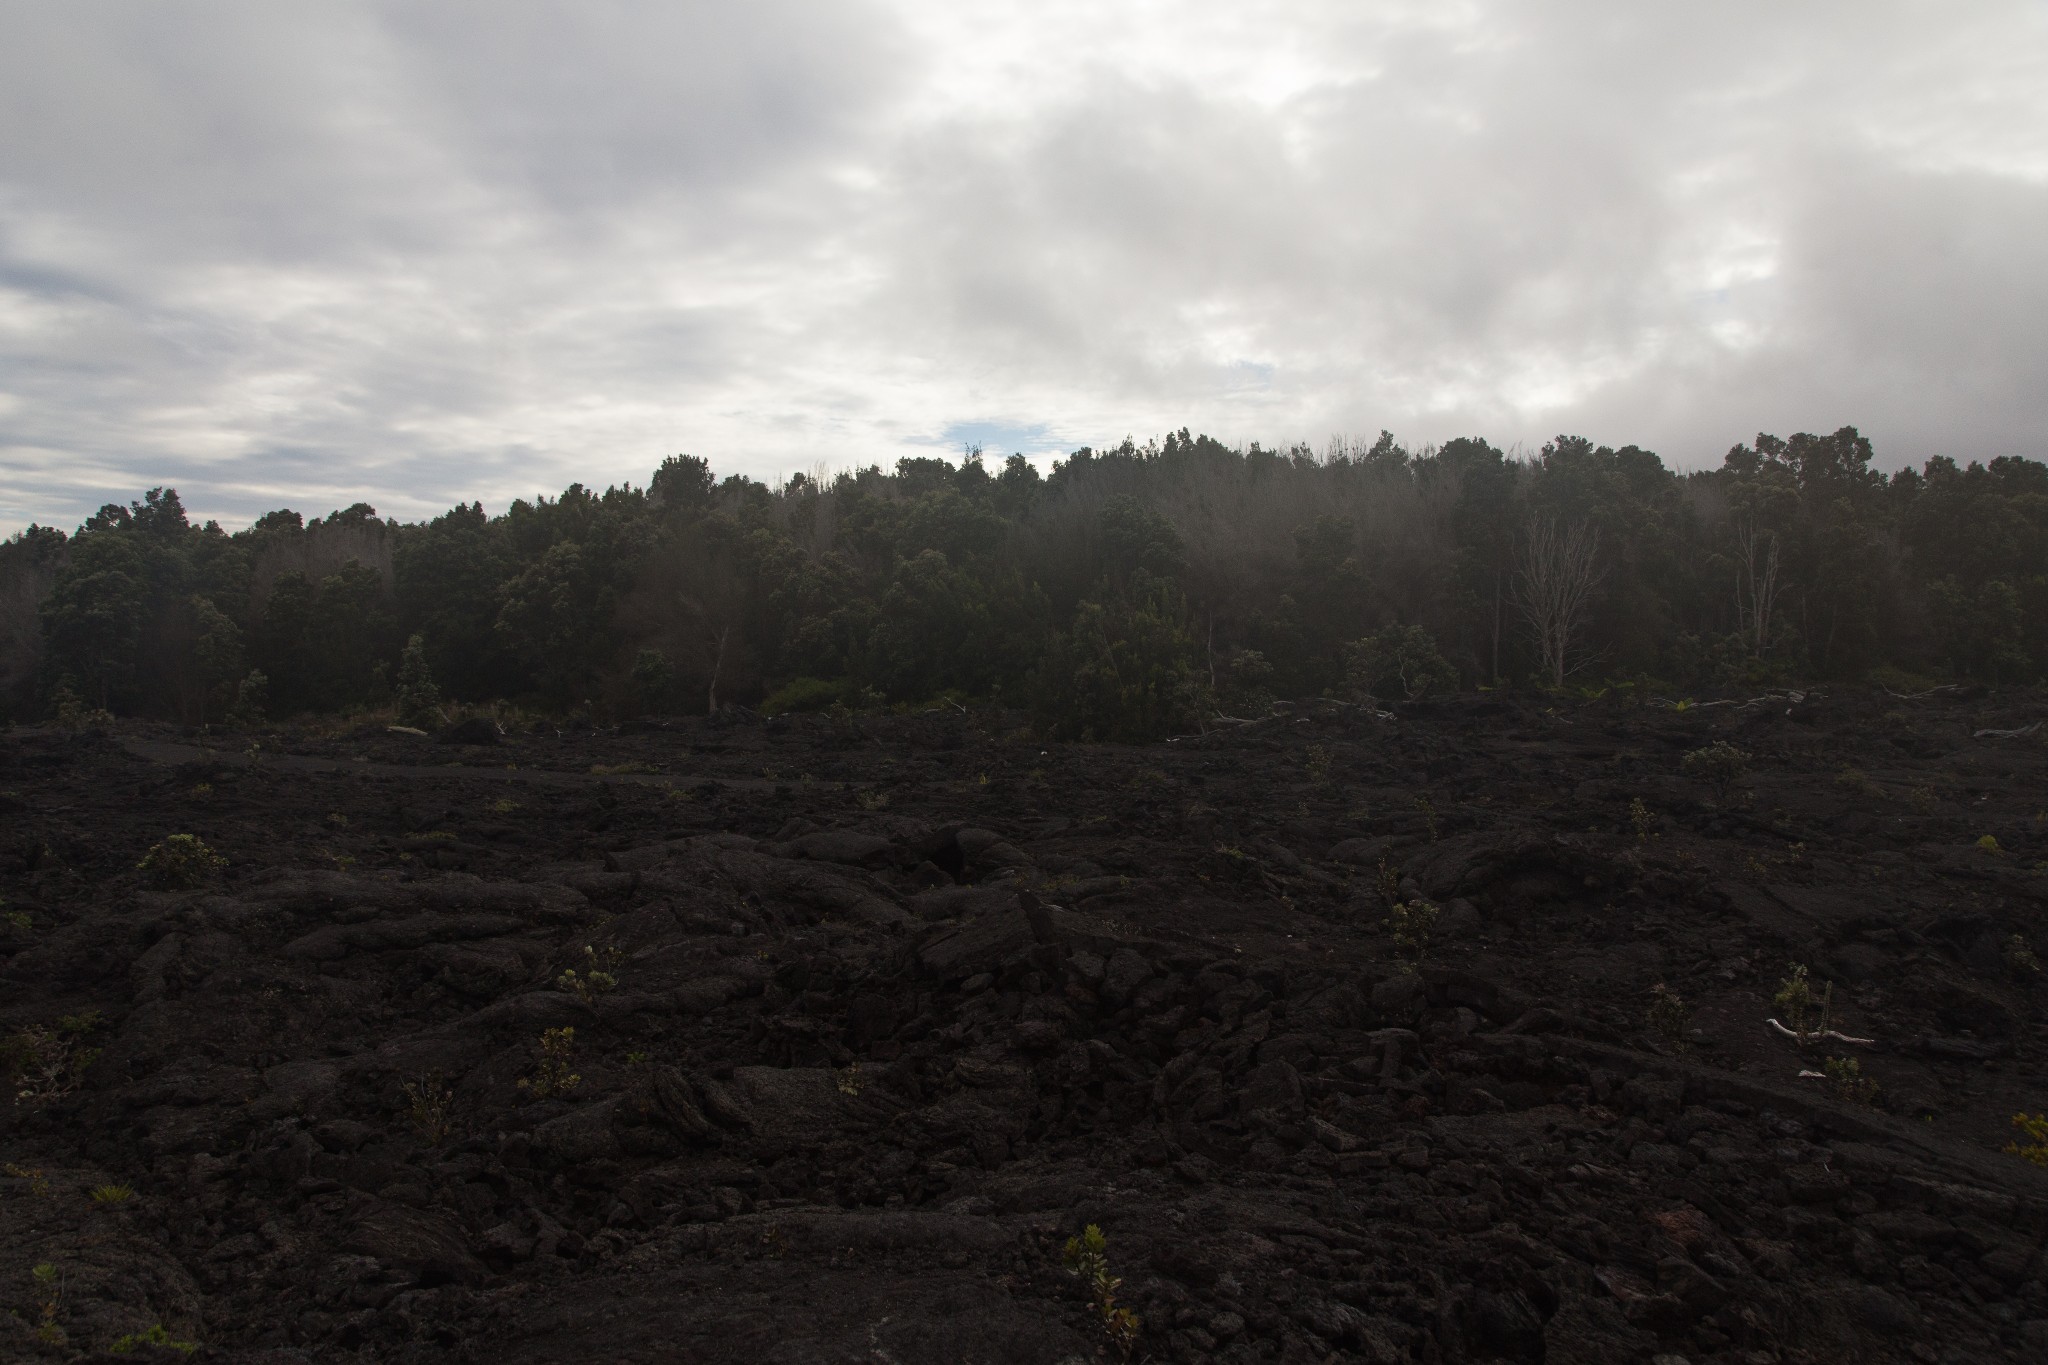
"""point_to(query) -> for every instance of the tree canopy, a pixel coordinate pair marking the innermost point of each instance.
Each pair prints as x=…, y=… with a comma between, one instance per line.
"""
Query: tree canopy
x=1125, y=593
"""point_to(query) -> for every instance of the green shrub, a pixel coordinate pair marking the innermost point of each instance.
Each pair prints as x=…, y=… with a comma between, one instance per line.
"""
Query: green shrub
x=1720, y=763
x=1668, y=1016
x=803, y=695
x=551, y=1075
x=1088, y=1256
x=1125, y=672
x=2033, y=1128
x=157, y=1337
x=181, y=861
x=1400, y=662
x=252, y=700
x=419, y=699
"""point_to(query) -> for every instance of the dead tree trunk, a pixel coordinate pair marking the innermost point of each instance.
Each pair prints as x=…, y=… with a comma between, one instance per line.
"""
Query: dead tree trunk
x=1756, y=584
x=1555, y=575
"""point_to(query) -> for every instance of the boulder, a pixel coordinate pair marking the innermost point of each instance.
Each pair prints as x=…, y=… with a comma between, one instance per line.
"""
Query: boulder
x=1275, y=1086
x=840, y=846
x=424, y=1243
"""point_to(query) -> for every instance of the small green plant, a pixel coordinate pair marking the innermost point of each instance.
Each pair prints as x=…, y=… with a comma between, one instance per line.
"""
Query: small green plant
x=1409, y=922
x=180, y=862
x=1802, y=1006
x=1428, y=810
x=1387, y=882
x=1989, y=843
x=598, y=977
x=1720, y=763
x=504, y=805
x=1641, y=818
x=111, y=1196
x=155, y=1336
x=200, y=791
x=49, y=1292
x=38, y=1180
x=552, y=1076
x=872, y=800
x=1088, y=1256
x=428, y=1103
x=849, y=1079
x=1922, y=800
x=46, y=1061
x=1851, y=1086
x=1668, y=1015
x=2034, y=1132
x=18, y=919
x=1318, y=764
x=2019, y=957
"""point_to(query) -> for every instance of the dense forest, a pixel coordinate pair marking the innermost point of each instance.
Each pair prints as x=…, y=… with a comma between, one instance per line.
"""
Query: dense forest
x=1128, y=593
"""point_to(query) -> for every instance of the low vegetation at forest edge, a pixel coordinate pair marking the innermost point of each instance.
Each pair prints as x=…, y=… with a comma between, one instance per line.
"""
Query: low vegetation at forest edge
x=1131, y=592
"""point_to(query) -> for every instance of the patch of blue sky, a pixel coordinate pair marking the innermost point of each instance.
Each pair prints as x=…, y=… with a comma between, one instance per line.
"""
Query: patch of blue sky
x=999, y=439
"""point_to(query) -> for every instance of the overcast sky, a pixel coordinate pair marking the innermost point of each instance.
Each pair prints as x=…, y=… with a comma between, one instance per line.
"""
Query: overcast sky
x=297, y=255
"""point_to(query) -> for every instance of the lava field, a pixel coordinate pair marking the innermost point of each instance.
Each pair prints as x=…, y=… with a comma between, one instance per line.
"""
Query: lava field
x=1444, y=1034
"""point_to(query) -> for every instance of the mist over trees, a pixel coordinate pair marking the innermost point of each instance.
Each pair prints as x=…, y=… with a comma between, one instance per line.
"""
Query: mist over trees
x=1128, y=593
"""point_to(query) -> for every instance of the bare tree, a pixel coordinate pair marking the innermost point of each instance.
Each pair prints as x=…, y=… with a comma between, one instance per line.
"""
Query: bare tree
x=1555, y=575
x=1756, y=583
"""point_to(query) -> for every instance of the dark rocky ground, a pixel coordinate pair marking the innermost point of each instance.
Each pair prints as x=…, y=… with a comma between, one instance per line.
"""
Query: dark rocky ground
x=854, y=1088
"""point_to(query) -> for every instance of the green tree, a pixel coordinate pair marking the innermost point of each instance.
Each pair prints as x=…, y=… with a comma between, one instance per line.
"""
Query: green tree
x=419, y=700
x=1125, y=671
x=1400, y=661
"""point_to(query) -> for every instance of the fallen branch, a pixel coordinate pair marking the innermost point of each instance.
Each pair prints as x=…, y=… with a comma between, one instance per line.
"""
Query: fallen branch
x=1827, y=1033
x=1915, y=696
x=2007, y=734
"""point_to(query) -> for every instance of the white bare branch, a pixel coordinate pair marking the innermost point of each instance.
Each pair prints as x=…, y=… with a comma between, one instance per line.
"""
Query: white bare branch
x=1555, y=574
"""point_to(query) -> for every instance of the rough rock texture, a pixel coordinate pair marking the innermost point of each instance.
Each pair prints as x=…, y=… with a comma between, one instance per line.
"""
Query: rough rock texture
x=883, y=1013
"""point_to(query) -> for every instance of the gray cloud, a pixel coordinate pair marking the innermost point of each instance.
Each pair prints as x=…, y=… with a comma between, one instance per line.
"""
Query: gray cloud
x=301, y=255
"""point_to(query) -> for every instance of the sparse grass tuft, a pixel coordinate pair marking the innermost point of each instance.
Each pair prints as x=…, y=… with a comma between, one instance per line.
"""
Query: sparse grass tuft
x=38, y=1181
x=111, y=1196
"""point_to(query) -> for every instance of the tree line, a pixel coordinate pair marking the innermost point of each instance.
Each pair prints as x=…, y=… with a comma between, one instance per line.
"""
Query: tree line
x=1127, y=593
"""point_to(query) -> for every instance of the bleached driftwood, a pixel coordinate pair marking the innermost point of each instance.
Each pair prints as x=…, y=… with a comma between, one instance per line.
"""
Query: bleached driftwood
x=2007, y=734
x=1826, y=1033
